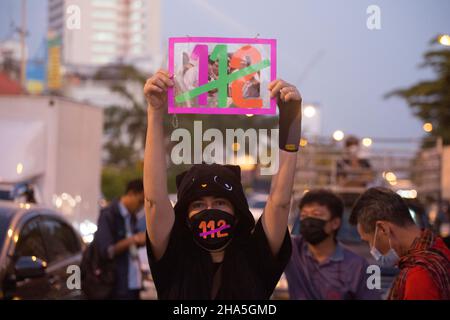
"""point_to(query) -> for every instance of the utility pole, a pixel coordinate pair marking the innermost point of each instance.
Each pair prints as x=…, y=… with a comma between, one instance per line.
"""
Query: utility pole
x=23, y=34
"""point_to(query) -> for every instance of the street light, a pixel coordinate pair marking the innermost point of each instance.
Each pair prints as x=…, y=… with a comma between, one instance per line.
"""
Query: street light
x=367, y=142
x=309, y=111
x=338, y=135
x=444, y=40
x=303, y=142
x=19, y=168
x=390, y=176
x=311, y=117
x=246, y=162
x=428, y=127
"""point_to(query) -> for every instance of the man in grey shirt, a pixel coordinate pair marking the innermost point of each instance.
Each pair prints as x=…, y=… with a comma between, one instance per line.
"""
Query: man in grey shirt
x=320, y=267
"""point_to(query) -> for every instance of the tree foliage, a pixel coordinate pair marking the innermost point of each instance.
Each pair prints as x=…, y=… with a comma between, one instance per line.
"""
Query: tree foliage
x=430, y=99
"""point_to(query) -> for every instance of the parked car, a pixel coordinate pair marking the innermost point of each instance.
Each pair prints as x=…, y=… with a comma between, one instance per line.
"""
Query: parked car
x=37, y=245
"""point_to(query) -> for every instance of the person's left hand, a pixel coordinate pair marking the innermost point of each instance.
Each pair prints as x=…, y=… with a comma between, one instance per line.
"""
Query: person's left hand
x=289, y=102
x=284, y=92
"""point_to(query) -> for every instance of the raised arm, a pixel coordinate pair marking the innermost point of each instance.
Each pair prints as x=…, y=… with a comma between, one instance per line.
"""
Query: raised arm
x=159, y=213
x=276, y=212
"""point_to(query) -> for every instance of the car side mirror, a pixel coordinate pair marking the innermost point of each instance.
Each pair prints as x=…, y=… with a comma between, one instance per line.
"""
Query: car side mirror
x=29, y=267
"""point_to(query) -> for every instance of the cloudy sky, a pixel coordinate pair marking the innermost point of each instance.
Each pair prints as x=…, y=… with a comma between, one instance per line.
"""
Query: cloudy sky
x=324, y=47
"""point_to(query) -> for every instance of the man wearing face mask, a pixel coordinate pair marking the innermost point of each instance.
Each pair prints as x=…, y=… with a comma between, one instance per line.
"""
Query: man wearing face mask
x=384, y=221
x=208, y=246
x=320, y=267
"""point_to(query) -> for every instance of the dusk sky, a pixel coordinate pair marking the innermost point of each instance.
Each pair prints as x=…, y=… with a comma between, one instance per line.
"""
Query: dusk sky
x=324, y=47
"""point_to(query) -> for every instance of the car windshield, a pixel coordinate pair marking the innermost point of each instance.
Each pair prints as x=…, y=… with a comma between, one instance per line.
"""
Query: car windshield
x=5, y=195
x=5, y=220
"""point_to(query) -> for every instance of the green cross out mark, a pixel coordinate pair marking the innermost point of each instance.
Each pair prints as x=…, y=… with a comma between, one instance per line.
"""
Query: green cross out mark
x=221, y=81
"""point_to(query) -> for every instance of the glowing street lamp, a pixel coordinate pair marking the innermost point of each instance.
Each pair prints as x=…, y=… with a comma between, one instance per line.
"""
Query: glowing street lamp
x=19, y=168
x=311, y=114
x=390, y=176
x=309, y=111
x=303, y=142
x=338, y=135
x=444, y=40
x=428, y=127
x=367, y=142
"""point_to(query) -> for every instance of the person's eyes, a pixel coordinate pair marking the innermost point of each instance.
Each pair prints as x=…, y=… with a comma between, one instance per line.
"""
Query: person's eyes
x=221, y=203
x=311, y=215
x=197, y=205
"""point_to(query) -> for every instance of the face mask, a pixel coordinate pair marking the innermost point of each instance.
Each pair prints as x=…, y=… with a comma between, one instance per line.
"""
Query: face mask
x=212, y=229
x=312, y=229
x=390, y=259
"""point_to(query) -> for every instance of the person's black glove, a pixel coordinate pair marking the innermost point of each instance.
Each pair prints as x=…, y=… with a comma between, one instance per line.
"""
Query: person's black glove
x=289, y=102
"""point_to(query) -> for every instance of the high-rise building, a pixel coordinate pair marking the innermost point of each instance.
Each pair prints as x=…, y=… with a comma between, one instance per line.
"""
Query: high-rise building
x=110, y=31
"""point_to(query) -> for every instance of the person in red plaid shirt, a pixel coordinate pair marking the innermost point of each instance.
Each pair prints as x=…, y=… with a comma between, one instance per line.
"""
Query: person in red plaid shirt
x=384, y=221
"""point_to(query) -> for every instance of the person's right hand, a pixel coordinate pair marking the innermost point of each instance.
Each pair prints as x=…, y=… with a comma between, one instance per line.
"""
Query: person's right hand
x=155, y=89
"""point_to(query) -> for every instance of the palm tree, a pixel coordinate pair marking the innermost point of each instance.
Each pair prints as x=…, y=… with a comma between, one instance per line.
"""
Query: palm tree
x=125, y=124
x=430, y=100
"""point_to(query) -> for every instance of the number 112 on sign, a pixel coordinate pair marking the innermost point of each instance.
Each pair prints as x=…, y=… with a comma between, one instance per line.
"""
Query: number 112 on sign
x=222, y=75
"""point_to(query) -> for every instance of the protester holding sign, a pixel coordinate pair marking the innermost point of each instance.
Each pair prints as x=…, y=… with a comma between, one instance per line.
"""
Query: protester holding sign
x=207, y=246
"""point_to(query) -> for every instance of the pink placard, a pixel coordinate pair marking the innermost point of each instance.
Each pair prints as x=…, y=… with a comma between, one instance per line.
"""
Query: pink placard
x=187, y=61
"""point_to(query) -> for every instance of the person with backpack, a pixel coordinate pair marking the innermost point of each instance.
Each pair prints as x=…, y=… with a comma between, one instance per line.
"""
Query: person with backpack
x=111, y=264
